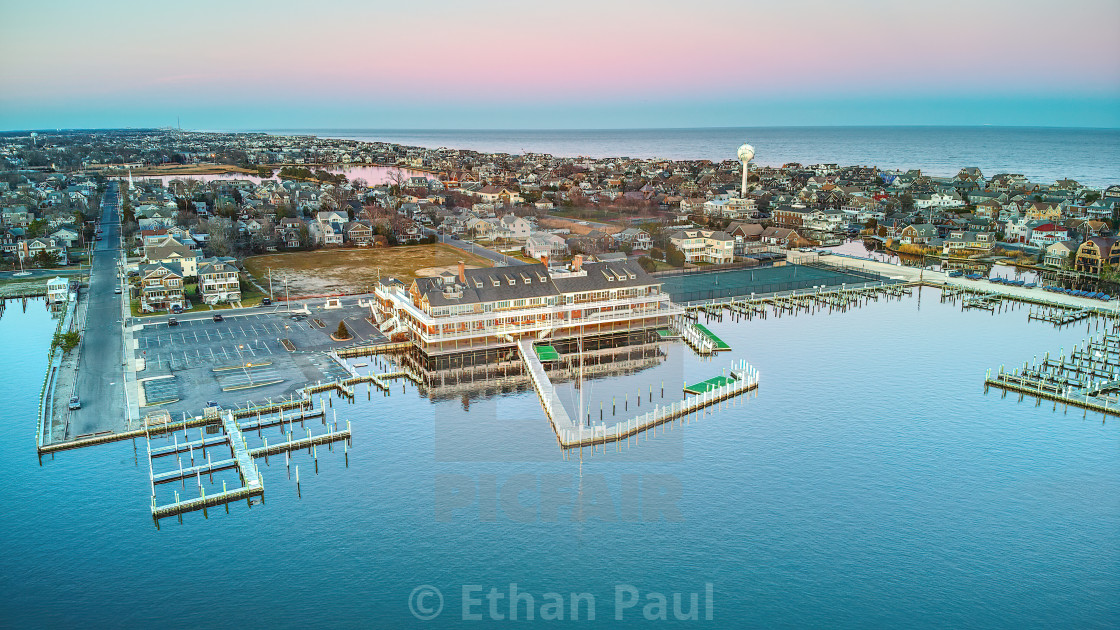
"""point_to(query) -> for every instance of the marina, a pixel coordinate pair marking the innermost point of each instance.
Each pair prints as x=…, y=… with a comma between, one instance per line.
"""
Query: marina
x=794, y=442
x=1088, y=378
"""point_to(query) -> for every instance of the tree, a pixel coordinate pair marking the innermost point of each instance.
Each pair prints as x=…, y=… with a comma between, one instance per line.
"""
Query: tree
x=647, y=263
x=37, y=228
x=396, y=179
x=675, y=257
x=906, y=202
x=1091, y=197
x=342, y=332
x=45, y=259
x=657, y=254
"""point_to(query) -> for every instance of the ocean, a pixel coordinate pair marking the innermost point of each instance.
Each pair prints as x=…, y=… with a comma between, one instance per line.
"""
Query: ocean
x=871, y=482
x=1090, y=156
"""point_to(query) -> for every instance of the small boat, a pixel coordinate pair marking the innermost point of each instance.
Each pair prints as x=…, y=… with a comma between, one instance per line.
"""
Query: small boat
x=956, y=274
x=358, y=365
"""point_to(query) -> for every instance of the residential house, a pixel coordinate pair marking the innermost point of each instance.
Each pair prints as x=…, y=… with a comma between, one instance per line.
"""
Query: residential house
x=169, y=250
x=513, y=227
x=716, y=247
x=1057, y=255
x=1048, y=234
x=218, y=281
x=498, y=196
x=967, y=242
x=69, y=237
x=358, y=233
x=161, y=287
x=1097, y=252
x=542, y=244
x=917, y=234
x=637, y=238
x=783, y=237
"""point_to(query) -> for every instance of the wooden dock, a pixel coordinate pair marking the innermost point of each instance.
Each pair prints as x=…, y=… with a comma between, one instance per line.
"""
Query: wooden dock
x=241, y=458
x=809, y=300
x=571, y=434
x=1089, y=378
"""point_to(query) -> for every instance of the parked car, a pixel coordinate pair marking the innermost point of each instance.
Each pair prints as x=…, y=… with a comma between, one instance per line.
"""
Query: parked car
x=176, y=309
x=266, y=302
x=117, y=290
x=74, y=403
x=218, y=318
x=171, y=321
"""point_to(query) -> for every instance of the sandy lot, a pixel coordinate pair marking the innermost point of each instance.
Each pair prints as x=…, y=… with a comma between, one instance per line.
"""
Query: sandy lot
x=328, y=271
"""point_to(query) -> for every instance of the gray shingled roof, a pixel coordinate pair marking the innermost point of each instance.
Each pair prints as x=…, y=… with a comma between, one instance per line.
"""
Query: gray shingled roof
x=530, y=281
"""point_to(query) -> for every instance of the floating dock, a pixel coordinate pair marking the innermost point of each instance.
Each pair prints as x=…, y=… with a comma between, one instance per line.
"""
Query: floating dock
x=717, y=344
x=711, y=384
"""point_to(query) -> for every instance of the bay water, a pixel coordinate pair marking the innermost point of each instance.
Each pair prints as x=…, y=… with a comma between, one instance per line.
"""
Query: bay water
x=871, y=482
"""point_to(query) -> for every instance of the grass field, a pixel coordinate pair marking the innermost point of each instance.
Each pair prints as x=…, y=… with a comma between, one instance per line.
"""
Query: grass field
x=327, y=271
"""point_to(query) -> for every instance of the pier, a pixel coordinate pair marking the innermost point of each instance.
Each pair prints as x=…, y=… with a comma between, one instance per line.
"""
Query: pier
x=241, y=458
x=573, y=434
x=743, y=379
x=1088, y=378
x=807, y=300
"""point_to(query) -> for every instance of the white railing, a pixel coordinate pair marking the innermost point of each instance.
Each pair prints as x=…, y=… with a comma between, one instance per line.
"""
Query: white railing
x=537, y=326
x=553, y=408
x=692, y=335
x=746, y=378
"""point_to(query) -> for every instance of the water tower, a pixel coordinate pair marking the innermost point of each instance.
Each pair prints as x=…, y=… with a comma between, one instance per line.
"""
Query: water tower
x=746, y=154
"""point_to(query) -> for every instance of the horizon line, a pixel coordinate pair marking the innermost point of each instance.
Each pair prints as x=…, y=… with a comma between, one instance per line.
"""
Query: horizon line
x=554, y=129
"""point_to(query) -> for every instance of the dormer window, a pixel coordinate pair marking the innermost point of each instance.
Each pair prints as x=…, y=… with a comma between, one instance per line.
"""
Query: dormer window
x=495, y=281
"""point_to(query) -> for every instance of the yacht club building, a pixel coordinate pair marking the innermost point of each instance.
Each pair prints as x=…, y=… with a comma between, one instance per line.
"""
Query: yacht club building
x=480, y=309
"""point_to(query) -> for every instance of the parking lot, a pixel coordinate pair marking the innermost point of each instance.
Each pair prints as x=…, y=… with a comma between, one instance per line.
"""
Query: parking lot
x=242, y=357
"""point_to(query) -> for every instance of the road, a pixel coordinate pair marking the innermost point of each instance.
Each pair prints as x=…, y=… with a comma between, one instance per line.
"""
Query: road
x=498, y=258
x=100, y=381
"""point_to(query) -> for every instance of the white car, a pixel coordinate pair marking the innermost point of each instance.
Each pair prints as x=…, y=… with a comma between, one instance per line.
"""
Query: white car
x=117, y=290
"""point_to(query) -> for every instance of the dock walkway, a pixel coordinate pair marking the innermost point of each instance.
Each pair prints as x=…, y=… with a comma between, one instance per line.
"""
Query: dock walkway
x=1089, y=378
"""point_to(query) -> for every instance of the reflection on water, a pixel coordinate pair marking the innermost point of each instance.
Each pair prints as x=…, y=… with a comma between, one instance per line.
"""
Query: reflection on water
x=871, y=250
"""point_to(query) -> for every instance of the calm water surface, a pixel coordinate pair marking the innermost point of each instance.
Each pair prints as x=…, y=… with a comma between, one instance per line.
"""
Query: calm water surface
x=1091, y=156
x=871, y=483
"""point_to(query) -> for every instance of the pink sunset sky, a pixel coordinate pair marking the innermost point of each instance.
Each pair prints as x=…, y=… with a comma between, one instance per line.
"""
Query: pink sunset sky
x=477, y=64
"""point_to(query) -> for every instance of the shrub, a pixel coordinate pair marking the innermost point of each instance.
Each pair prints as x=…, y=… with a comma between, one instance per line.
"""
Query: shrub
x=67, y=341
